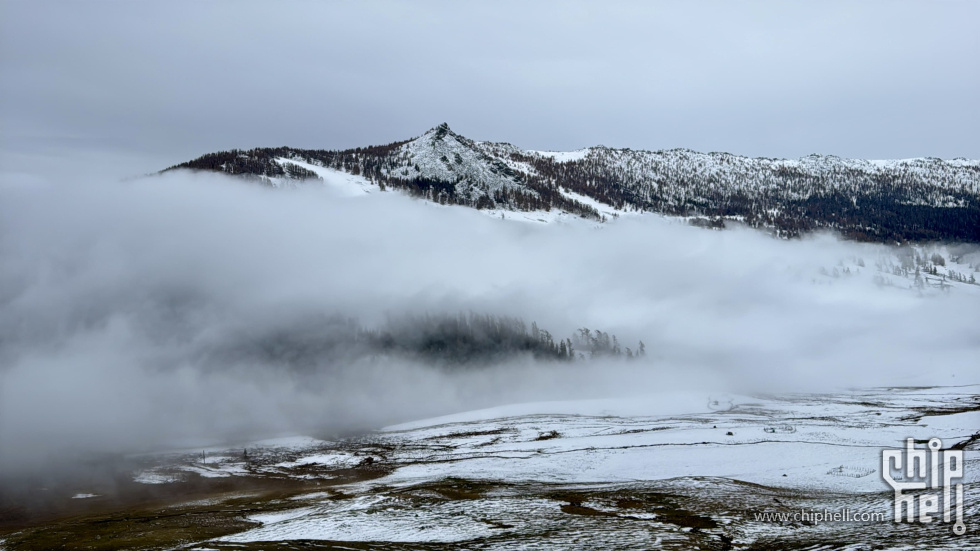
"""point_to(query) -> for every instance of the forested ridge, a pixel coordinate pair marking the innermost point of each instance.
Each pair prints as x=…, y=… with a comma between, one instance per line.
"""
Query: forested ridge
x=885, y=201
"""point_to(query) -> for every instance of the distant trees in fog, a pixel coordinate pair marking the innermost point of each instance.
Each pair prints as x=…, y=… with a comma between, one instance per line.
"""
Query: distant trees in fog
x=444, y=340
x=482, y=338
x=601, y=344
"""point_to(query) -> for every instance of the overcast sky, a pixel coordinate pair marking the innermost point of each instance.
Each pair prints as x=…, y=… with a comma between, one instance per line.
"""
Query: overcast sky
x=119, y=88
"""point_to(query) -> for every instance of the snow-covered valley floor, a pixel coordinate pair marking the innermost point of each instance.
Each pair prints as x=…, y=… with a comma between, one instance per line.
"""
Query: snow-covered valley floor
x=671, y=471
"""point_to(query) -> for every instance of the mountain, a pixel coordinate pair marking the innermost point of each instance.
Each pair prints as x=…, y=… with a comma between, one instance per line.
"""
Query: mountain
x=900, y=200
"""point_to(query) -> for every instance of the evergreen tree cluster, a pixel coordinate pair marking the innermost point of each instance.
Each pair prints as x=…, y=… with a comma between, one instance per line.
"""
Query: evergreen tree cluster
x=445, y=340
x=466, y=339
x=253, y=162
x=599, y=344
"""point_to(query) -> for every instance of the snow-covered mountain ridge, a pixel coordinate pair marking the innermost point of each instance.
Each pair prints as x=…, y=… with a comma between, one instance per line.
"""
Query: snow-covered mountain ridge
x=892, y=200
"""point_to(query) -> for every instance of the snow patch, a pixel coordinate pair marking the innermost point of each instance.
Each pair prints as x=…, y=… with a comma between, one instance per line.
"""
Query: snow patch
x=564, y=156
x=338, y=180
x=151, y=477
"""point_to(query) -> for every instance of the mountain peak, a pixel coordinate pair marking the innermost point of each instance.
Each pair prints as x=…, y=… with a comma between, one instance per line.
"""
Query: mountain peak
x=885, y=201
x=439, y=132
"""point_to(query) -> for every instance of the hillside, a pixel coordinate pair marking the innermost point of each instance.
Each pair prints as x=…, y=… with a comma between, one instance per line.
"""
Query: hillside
x=899, y=200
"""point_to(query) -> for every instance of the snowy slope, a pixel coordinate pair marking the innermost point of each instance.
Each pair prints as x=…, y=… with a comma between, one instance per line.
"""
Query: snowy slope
x=338, y=180
x=802, y=442
x=441, y=154
x=728, y=454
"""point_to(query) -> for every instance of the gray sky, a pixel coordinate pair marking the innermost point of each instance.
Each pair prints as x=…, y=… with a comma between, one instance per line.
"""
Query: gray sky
x=119, y=88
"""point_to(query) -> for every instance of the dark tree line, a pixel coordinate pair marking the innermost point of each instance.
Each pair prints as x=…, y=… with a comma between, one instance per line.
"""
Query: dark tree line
x=445, y=340
x=254, y=162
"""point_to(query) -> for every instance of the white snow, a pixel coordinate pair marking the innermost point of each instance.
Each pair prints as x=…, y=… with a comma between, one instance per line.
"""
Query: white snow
x=540, y=217
x=334, y=459
x=677, y=403
x=565, y=156
x=604, y=209
x=338, y=180
x=371, y=518
x=153, y=477
x=811, y=442
x=671, y=178
x=440, y=154
x=828, y=443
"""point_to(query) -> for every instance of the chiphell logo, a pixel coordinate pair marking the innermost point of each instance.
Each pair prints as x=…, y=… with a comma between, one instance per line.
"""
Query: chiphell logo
x=910, y=471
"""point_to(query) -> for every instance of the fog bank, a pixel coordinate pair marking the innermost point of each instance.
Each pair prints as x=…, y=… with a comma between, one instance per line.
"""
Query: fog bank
x=114, y=299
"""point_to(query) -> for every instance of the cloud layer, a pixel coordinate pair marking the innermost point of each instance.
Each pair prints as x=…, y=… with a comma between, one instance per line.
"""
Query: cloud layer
x=112, y=295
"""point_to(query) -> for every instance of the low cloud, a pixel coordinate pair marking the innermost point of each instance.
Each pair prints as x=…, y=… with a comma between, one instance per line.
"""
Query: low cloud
x=115, y=297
